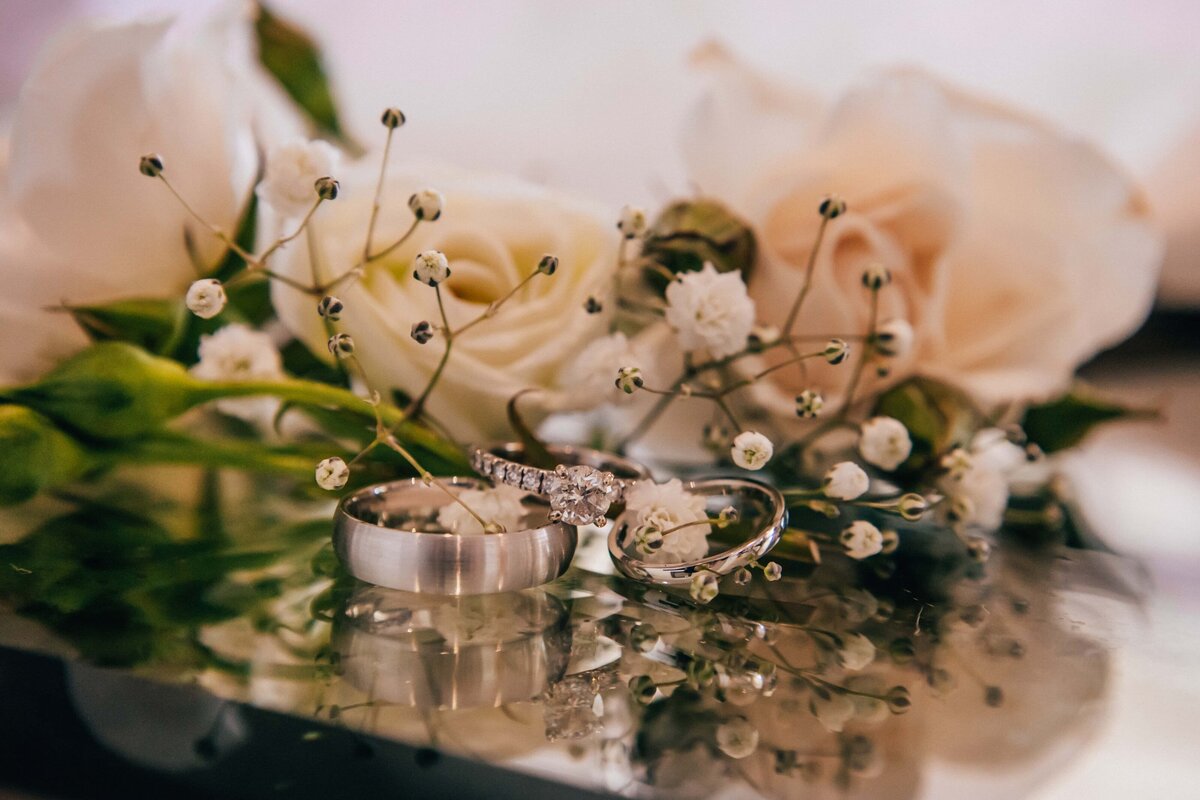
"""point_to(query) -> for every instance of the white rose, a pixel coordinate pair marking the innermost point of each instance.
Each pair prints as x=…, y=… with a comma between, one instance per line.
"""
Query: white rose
x=884, y=442
x=711, y=310
x=1016, y=252
x=493, y=232
x=665, y=506
x=293, y=168
x=78, y=222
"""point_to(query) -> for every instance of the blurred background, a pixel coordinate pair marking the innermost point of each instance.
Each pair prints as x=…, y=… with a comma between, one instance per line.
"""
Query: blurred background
x=592, y=97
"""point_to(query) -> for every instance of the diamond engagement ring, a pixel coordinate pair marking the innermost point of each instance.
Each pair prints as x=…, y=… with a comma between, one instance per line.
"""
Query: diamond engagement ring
x=388, y=535
x=760, y=505
x=581, y=489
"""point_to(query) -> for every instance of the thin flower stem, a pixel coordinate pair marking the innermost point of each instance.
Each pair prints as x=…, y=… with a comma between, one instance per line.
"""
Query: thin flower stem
x=495, y=305
x=215, y=229
x=860, y=366
x=385, y=251
x=262, y=259
x=794, y=312
x=376, y=202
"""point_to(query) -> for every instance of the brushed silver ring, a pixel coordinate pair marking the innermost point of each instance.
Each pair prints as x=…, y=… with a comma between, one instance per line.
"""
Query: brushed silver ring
x=581, y=489
x=388, y=535
x=752, y=500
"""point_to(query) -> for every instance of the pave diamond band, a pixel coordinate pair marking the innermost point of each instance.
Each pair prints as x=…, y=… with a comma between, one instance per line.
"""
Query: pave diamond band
x=581, y=489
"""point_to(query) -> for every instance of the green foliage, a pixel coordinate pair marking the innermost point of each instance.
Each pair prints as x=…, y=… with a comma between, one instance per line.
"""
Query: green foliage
x=37, y=455
x=937, y=416
x=292, y=57
x=690, y=232
x=1064, y=422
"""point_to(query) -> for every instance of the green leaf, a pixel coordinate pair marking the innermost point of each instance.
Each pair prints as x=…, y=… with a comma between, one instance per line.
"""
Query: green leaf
x=292, y=57
x=689, y=233
x=1064, y=422
x=146, y=322
x=937, y=416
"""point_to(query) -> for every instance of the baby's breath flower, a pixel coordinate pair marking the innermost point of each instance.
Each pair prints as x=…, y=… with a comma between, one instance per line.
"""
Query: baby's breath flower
x=593, y=306
x=632, y=223
x=629, y=379
x=833, y=709
x=876, y=276
x=667, y=506
x=647, y=540
x=710, y=309
x=979, y=548
x=499, y=506
x=341, y=345
x=836, y=351
x=294, y=169
x=912, y=506
x=891, y=540
x=392, y=118
x=548, y=264
x=727, y=516
x=206, y=298
x=861, y=539
x=898, y=700
x=809, y=404
x=421, y=332
x=894, y=338
x=751, y=450
x=643, y=637
x=704, y=586
x=856, y=652
x=151, y=165
x=431, y=267
x=845, y=481
x=643, y=688
x=737, y=737
x=327, y=188
x=761, y=336
x=330, y=308
x=773, y=571
x=332, y=474
x=957, y=462
x=426, y=205
x=832, y=207
x=742, y=577
x=884, y=442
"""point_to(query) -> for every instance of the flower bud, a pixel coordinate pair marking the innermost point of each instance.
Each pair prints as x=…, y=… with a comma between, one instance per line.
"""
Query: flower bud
x=392, y=118
x=876, y=276
x=743, y=577
x=327, y=188
x=809, y=404
x=37, y=455
x=151, y=165
x=341, y=345
x=206, y=298
x=632, y=223
x=861, y=540
x=836, y=351
x=548, y=265
x=704, y=587
x=845, y=480
x=629, y=379
x=431, y=267
x=421, y=332
x=894, y=338
x=898, y=700
x=114, y=390
x=912, y=506
x=643, y=688
x=648, y=540
x=832, y=207
x=643, y=637
x=332, y=474
x=891, y=540
x=979, y=548
x=593, y=306
x=727, y=516
x=993, y=696
x=761, y=336
x=773, y=571
x=426, y=205
x=330, y=308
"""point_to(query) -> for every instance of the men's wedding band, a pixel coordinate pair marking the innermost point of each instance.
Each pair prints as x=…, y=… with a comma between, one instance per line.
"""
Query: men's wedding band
x=751, y=499
x=388, y=535
x=581, y=489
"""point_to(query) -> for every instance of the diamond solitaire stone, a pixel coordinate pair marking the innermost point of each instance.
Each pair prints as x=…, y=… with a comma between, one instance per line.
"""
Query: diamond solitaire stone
x=581, y=495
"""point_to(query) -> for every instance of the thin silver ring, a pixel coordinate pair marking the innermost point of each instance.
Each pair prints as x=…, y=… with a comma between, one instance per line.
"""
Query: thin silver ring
x=581, y=489
x=388, y=535
x=769, y=531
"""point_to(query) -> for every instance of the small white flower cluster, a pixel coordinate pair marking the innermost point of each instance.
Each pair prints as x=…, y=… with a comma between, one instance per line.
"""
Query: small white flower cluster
x=710, y=310
x=237, y=352
x=499, y=506
x=884, y=442
x=294, y=168
x=751, y=450
x=976, y=479
x=661, y=507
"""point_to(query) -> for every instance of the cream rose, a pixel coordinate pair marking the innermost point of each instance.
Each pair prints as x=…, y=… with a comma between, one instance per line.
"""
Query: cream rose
x=493, y=232
x=1016, y=251
x=78, y=223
